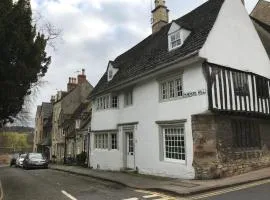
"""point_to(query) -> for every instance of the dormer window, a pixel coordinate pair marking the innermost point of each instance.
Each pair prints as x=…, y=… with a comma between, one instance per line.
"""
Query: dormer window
x=176, y=36
x=111, y=71
x=175, y=39
x=110, y=74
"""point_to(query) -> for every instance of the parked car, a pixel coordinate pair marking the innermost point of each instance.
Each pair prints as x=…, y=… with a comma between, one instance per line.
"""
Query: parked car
x=20, y=159
x=13, y=159
x=35, y=160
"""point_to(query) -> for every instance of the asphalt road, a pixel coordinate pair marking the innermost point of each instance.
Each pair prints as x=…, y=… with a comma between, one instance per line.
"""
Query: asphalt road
x=19, y=184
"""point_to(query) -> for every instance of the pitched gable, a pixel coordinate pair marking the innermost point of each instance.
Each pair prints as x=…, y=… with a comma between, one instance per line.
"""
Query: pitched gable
x=234, y=42
x=153, y=51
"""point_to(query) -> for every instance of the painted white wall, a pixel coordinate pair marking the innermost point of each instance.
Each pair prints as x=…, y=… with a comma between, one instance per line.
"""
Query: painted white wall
x=146, y=110
x=234, y=42
x=106, y=159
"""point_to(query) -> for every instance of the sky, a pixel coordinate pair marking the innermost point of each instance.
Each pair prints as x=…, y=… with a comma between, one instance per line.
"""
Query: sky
x=94, y=32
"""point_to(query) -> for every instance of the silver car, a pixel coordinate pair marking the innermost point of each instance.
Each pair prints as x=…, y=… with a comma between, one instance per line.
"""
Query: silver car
x=20, y=159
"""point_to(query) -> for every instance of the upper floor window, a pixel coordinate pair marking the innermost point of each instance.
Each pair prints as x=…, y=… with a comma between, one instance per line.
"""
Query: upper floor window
x=175, y=40
x=128, y=99
x=110, y=74
x=106, y=102
x=262, y=87
x=240, y=82
x=177, y=36
x=172, y=88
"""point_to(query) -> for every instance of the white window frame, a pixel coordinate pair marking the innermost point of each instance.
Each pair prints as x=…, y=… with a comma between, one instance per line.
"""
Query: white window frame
x=104, y=141
x=182, y=134
x=110, y=74
x=107, y=102
x=175, y=39
x=170, y=90
x=128, y=98
x=113, y=141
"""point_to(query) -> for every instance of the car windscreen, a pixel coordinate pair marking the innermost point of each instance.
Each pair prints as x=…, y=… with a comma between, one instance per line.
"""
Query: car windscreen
x=15, y=155
x=36, y=156
x=22, y=156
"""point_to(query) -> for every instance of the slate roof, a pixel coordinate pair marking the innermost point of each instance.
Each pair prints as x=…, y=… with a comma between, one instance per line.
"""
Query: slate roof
x=153, y=51
x=46, y=110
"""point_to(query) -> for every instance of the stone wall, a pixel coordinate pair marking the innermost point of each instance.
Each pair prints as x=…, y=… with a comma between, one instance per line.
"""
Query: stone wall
x=215, y=155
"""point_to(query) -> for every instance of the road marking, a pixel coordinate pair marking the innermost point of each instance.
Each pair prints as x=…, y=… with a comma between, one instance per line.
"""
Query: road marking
x=133, y=198
x=150, y=196
x=233, y=189
x=1, y=191
x=68, y=195
x=160, y=196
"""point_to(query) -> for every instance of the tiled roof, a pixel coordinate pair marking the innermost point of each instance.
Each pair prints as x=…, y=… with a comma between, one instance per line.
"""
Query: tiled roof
x=262, y=11
x=153, y=51
x=262, y=24
x=264, y=33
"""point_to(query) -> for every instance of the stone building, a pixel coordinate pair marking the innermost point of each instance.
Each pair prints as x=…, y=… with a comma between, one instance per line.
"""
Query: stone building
x=64, y=106
x=76, y=131
x=43, y=127
x=189, y=101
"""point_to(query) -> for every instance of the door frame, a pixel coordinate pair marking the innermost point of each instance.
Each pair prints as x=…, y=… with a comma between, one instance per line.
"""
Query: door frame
x=126, y=131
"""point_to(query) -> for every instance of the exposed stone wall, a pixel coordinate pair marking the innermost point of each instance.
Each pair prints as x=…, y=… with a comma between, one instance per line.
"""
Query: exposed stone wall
x=214, y=153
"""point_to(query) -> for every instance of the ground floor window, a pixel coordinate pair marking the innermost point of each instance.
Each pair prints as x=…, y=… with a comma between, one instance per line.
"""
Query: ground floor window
x=245, y=134
x=174, y=142
x=106, y=141
x=114, y=141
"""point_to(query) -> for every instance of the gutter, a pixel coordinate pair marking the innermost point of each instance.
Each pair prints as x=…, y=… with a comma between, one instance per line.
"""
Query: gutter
x=138, y=78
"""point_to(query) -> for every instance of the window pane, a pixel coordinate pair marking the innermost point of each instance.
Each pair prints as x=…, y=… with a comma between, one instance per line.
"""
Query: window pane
x=174, y=143
x=171, y=89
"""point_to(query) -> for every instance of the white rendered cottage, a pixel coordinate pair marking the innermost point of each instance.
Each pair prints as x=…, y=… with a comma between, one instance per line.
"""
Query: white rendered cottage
x=160, y=108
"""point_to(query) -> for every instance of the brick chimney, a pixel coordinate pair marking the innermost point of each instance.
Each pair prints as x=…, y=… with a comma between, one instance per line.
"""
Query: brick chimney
x=160, y=15
x=82, y=77
x=72, y=83
x=52, y=99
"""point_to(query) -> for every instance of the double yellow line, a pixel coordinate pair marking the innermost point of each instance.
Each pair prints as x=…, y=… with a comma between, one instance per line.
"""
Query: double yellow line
x=1, y=191
x=231, y=189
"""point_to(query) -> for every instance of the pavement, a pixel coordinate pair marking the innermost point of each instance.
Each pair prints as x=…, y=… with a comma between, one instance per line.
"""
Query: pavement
x=167, y=185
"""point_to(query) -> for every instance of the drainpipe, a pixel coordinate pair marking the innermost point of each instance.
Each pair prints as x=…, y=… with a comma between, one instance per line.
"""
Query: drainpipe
x=88, y=147
x=65, y=148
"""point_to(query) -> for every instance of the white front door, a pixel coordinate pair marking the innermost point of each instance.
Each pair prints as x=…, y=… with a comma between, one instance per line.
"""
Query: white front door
x=130, y=150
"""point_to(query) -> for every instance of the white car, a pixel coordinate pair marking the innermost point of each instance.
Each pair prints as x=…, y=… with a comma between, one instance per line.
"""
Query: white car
x=20, y=159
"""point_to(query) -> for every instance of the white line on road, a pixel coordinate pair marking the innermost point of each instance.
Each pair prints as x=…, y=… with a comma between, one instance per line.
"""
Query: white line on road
x=1, y=191
x=67, y=194
x=150, y=196
x=134, y=198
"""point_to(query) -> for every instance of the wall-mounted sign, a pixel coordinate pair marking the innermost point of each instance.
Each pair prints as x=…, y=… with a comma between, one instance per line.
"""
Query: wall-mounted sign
x=194, y=93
